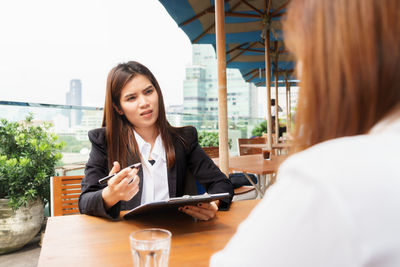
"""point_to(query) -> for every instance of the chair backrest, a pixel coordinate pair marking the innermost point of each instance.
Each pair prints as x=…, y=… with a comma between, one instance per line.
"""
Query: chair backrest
x=212, y=151
x=250, y=151
x=65, y=192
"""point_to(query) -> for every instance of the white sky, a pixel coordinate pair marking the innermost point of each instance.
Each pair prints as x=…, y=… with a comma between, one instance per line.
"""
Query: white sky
x=46, y=43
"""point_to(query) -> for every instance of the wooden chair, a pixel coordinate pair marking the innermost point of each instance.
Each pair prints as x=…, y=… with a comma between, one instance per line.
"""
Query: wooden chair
x=250, y=151
x=65, y=192
x=213, y=152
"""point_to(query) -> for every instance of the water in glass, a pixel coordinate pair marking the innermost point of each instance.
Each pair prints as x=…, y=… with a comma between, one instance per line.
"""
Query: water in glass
x=150, y=247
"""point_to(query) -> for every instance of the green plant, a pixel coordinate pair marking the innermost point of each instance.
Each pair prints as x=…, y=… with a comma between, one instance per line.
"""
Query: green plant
x=28, y=155
x=207, y=139
x=259, y=129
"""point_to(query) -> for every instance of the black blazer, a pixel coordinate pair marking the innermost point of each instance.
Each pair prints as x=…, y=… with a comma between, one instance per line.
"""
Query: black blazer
x=190, y=158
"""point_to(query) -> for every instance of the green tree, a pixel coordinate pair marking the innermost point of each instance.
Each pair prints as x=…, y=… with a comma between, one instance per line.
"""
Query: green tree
x=28, y=155
x=259, y=129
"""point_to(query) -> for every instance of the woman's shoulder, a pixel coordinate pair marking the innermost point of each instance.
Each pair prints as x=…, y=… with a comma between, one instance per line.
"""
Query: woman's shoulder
x=97, y=136
x=186, y=129
x=338, y=159
x=186, y=136
x=325, y=152
x=187, y=132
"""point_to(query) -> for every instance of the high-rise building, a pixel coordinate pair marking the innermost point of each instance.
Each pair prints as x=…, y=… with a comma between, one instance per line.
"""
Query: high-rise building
x=74, y=98
x=200, y=103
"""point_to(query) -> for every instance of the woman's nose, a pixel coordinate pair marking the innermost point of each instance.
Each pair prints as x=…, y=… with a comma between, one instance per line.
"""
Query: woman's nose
x=142, y=100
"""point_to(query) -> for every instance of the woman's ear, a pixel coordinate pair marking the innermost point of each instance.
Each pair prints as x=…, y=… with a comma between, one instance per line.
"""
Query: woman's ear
x=118, y=110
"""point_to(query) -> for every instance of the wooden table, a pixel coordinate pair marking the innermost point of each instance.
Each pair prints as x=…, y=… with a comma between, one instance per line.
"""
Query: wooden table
x=255, y=164
x=82, y=240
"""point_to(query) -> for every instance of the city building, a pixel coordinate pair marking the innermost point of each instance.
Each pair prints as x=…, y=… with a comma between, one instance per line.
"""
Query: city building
x=200, y=93
x=74, y=98
x=174, y=115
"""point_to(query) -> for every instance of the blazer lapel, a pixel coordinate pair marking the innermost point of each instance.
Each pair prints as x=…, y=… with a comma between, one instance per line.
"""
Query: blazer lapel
x=172, y=177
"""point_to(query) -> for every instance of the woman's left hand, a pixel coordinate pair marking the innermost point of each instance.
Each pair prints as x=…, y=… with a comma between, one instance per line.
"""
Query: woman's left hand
x=203, y=211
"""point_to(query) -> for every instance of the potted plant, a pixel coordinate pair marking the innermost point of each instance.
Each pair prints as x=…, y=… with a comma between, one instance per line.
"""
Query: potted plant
x=28, y=155
x=209, y=141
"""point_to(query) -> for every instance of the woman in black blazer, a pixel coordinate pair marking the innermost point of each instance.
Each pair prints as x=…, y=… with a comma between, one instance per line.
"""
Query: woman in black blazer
x=135, y=123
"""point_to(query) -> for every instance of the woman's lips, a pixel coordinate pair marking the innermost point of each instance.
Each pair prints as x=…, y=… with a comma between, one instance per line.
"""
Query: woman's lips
x=146, y=113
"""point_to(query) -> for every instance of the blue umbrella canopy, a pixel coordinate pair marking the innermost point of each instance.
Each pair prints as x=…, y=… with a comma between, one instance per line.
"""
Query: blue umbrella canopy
x=246, y=22
x=251, y=62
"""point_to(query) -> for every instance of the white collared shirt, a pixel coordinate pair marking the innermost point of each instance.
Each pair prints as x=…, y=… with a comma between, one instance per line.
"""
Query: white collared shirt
x=155, y=177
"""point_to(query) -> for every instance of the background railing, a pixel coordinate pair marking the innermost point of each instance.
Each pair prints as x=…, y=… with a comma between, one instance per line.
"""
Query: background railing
x=72, y=123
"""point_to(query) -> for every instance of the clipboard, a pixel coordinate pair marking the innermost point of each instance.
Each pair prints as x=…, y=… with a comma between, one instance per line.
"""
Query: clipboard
x=173, y=204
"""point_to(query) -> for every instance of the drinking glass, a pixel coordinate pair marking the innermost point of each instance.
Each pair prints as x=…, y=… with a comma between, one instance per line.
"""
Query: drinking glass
x=150, y=247
x=266, y=154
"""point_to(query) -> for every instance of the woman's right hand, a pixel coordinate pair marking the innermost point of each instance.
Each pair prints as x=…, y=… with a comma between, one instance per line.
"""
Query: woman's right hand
x=123, y=186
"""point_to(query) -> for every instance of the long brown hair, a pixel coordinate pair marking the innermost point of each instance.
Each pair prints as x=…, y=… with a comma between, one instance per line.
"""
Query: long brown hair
x=350, y=73
x=121, y=142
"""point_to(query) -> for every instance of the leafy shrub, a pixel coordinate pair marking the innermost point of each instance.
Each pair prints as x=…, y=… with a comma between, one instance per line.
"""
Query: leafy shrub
x=260, y=129
x=207, y=139
x=28, y=155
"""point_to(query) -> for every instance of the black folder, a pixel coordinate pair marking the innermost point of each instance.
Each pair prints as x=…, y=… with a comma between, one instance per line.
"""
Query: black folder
x=173, y=204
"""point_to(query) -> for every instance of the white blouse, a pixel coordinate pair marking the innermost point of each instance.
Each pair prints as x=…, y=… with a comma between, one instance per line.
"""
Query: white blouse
x=155, y=177
x=334, y=204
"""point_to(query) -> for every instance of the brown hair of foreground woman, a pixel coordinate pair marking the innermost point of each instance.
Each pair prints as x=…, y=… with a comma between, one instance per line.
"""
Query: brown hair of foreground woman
x=349, y=65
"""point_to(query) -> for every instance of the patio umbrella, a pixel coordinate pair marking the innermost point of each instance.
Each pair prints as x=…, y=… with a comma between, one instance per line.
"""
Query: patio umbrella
x=250, y=26
x=246, y=25
x=250, y=58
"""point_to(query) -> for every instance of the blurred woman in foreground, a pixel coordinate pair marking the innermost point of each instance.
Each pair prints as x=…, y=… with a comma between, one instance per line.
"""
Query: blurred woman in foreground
x=337, y=201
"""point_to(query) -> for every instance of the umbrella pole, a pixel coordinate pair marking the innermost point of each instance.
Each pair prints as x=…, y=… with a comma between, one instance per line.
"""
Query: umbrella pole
x=268, y=88
x=287, y=105
x=222, y=105
x=276, y=94
x=276, y=106
x=290, y=108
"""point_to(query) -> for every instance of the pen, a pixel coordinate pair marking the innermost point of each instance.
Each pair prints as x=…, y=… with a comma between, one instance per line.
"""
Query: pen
x=105, y=179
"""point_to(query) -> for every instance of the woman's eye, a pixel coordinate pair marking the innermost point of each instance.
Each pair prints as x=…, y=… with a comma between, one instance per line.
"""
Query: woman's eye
x=149, y=91
x=131, y=98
